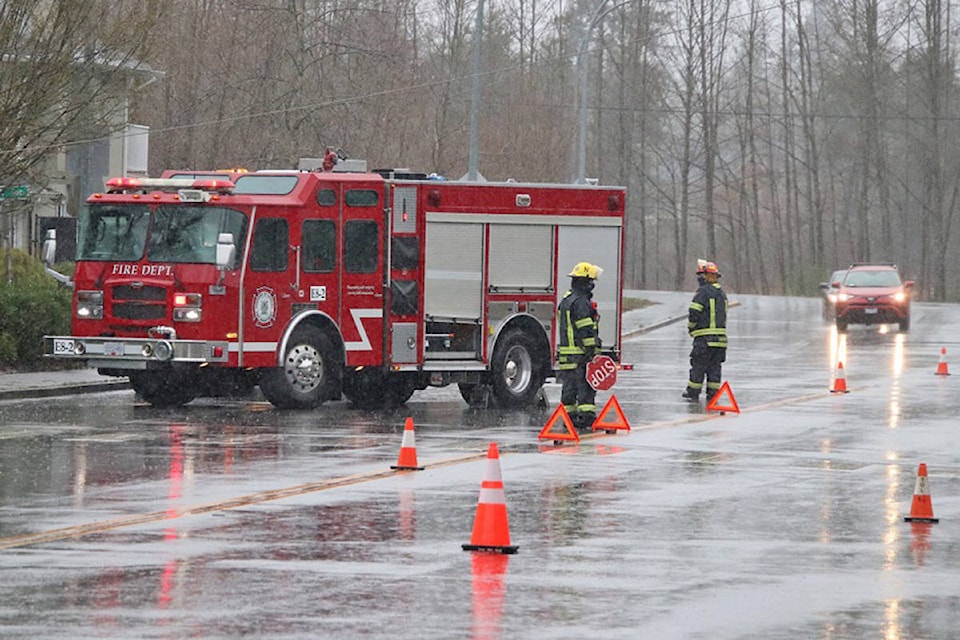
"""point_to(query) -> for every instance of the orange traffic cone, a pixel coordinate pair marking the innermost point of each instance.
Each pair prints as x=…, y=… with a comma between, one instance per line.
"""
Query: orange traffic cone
x=942, y=365
x=408, y=450
x=922, y=508
x=839, y=382
x=490, y=529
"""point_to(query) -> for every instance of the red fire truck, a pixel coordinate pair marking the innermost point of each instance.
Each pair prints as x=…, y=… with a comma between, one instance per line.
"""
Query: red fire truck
x=323, y=283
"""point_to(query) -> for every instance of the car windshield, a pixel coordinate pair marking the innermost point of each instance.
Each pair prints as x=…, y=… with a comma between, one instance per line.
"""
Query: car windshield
x=173, y=233
x=872, y=279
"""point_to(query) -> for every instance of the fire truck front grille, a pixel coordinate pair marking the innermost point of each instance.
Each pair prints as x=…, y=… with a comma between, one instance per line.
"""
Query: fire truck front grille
x=126, y=292
x=139, y=303
x=139, y=311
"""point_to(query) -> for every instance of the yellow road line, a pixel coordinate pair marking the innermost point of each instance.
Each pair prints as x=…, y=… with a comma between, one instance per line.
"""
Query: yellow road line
x=78, y=531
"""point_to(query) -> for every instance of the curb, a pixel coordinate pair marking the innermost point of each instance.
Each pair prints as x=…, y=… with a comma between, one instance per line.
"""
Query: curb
x=660, y=324
x=64, y=390
x=650, y=327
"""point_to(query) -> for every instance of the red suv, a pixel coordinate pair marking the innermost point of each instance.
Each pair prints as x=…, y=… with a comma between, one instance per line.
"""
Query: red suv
x=872, y=294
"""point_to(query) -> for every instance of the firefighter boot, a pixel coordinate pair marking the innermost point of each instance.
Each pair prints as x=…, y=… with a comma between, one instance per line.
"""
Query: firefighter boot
x=583, y=420
x=691, y=395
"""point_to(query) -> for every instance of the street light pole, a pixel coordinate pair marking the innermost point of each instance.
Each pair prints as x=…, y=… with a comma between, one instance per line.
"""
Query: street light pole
x=596, y=17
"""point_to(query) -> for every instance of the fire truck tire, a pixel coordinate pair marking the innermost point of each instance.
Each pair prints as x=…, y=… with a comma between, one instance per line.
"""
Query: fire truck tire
x=467, y=391
x=307, y=376
x=164, y=389
x=475, y=395
x=516, y=371
x=398, y=392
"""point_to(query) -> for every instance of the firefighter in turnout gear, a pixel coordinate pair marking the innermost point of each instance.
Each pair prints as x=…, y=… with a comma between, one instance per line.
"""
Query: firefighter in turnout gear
x=578, y=344
x=707, y=325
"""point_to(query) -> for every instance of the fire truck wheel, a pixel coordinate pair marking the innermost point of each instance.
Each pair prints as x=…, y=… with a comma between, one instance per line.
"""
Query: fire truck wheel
x=307, y=376
x=516, y=370
x=164, y=389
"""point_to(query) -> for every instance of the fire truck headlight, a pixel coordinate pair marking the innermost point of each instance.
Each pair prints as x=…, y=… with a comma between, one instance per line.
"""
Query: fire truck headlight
x=163, y=350
x=146, y=350
x=187, y=315
x=79, y=349
x=187, y=307
x=90, y=305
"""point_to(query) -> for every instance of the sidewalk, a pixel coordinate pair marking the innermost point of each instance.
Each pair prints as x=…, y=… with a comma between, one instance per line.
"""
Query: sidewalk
x=671, y=306
x=44, y=384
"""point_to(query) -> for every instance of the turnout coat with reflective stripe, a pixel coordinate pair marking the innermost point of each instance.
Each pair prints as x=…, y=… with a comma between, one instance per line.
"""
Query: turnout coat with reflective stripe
x=708, y=315
x=578, y=328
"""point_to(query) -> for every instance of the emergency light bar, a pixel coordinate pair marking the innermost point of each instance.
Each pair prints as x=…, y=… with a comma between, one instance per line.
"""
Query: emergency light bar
x=216, y=185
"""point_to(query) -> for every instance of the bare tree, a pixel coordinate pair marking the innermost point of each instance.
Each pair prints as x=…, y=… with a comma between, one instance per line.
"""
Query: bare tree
x=711, y=27
x=838, y=145
x=936, y=90
x=65, y=73
x=750, y=168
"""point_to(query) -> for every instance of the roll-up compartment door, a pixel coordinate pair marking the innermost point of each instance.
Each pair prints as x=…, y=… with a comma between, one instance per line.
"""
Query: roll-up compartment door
x=521, y=257
x=454, y=270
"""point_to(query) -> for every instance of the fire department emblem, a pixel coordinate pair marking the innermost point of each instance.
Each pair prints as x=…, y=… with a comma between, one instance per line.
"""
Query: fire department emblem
x=264, y=307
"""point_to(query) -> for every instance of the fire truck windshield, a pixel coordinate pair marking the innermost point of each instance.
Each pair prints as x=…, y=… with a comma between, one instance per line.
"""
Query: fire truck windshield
x=109, y=232
x=173, y=233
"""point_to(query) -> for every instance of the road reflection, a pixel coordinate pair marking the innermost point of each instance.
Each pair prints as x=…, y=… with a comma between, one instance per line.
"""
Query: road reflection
x=893, y=419
x=173, y=494
x=488, y=571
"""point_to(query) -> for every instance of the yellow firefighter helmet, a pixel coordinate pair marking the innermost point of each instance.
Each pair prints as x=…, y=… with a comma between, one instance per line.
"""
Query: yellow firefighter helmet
x=586, y=270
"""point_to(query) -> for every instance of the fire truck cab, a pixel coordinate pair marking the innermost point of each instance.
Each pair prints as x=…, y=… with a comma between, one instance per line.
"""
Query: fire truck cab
x=319, y=284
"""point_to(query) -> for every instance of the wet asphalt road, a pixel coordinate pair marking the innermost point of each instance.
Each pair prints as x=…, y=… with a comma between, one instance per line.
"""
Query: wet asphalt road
x=226, y=519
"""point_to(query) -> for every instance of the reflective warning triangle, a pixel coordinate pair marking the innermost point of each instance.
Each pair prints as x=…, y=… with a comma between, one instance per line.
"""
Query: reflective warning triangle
x=714, y=404
x=562, y=418
x=621, y=421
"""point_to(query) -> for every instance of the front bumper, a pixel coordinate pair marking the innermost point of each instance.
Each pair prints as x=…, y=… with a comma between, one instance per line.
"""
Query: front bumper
x=133, y=353
x=871, y=314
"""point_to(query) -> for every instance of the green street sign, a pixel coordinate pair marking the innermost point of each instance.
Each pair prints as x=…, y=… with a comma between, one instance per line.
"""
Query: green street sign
x=20, y=192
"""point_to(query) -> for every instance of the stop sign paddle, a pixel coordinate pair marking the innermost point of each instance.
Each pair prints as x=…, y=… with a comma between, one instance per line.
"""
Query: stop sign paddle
x=602, y=373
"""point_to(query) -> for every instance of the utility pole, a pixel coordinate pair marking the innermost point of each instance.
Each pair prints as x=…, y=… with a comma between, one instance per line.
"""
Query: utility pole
x=472, y=173
x=598, y=15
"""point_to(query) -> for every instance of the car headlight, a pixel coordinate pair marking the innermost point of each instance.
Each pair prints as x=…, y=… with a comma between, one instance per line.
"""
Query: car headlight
x=899, y=297
x=843, y=297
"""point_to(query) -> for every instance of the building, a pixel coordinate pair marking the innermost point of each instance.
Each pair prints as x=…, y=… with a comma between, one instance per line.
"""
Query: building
x=71, y=173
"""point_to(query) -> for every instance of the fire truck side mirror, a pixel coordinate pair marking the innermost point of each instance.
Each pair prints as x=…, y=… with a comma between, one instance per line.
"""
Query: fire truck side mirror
x=226, y=251
x=49, y=251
